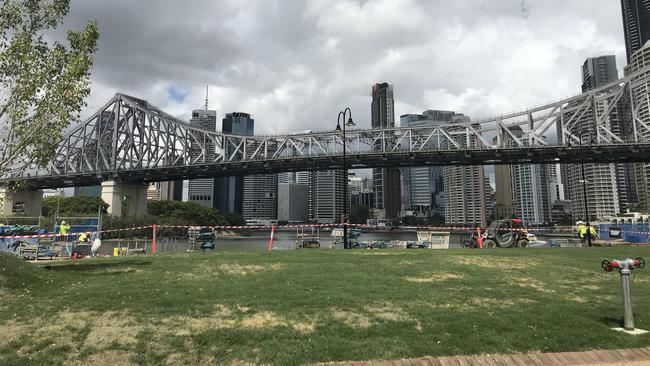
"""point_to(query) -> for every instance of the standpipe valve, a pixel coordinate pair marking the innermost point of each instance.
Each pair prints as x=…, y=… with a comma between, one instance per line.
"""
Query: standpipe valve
x=625, y=267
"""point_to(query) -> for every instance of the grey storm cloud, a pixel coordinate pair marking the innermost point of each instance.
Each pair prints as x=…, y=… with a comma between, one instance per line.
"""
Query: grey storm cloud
x=293, y=64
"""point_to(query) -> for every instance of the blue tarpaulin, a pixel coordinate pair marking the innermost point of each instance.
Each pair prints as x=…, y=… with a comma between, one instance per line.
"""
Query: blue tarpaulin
x=630, y=233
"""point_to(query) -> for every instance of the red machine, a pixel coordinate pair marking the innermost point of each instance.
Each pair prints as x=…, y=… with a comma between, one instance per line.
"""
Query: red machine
x=508, y=233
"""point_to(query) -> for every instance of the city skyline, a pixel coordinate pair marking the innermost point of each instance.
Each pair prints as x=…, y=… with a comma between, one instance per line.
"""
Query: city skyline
x=256, y=61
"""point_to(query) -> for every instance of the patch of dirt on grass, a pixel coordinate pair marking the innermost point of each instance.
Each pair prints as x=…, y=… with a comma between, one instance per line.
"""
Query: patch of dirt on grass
x=371, y=314
x=107, y=358
x=388, y=312
x=224, y=317
x=508, y=264
x=304, y=327
x=221, y=317
x=110, y=327
x=534, y=284
x=243, y=270
x=263, y=319
x=442, y=277
x=352, y=319
x=13, y=330
x=499, y=303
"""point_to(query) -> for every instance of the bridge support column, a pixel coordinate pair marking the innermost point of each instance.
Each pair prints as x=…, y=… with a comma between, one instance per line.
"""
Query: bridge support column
x=29, y=203
x=125, y=199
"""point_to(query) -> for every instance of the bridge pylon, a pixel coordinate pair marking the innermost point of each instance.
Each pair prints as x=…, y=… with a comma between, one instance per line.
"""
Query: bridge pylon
x=125, y=199
x=29, y=203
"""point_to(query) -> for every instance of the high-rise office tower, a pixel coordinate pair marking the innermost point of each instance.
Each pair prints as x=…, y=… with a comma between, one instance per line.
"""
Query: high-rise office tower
x=636, y=24
x=604, y=193
x=293, y=202
x=598, y=71
x=255, y=197
x=294, y=177
x=229, y=191
x=386, y=181
x=326, y=201
x=423, y=187
x=522, y=189
x=463, y=189
x=640, y=90
x=201, y=191
x=260, y=197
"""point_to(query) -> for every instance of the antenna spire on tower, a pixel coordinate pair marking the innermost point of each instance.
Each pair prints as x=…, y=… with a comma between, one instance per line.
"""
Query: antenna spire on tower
x=206, y=97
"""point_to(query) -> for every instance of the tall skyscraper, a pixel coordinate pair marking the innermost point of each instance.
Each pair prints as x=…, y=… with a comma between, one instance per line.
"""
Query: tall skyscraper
x=522, y=189
x=260, y=197
x=598, y=71
x=293, y=202
x=636, y=24
x=326, y=199
x=201, y=191
x=640, y=90
x=605, y=195
x=294, y=177
x=229, y=191
x=386, y=181
x=423, y=187
x=463, y=189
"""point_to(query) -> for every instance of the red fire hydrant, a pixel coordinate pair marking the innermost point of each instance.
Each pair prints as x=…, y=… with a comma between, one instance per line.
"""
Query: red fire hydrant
x=625, y=267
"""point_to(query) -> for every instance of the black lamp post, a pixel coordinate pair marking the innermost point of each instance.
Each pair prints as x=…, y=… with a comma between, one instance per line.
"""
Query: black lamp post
x=584, y=187
x=349, y=123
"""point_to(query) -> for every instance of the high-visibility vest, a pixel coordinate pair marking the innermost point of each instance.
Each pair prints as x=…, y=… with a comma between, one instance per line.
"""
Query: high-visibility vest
x=582, y=230
x=64, y=229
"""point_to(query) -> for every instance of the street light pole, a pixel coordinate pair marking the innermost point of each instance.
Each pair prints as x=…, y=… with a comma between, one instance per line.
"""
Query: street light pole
x=349, y=123
x=584, y=188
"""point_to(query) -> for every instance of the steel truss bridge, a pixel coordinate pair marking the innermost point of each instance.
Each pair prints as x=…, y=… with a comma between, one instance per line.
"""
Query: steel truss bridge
x=129, y=140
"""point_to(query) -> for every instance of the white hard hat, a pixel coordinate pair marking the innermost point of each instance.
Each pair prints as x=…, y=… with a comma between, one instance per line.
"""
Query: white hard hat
x=580, y=223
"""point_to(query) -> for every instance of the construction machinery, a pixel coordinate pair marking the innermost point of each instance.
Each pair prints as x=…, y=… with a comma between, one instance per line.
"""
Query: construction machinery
x=508, y=233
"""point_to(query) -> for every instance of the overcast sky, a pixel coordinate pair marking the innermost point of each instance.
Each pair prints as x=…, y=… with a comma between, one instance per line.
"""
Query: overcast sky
x=293, y=64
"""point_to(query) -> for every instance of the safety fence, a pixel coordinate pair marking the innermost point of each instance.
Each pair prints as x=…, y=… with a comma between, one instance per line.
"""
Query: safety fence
x=638, y=229
x=169, y=238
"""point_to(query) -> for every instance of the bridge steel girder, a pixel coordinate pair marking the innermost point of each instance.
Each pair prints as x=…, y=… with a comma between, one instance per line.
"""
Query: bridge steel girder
x=129, y=140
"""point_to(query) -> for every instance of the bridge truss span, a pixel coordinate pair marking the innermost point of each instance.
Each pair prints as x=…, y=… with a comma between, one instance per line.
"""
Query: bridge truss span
x=130, y=140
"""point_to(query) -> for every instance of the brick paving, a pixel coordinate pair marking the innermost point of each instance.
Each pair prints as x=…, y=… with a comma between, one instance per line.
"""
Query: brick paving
x=618, y=357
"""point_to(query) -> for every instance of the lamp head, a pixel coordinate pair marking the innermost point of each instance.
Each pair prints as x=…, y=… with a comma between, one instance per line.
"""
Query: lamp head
x=350, y=122
x=338, y=127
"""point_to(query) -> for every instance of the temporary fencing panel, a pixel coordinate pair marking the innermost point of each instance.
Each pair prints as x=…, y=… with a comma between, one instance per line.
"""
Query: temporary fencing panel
x=629, y=233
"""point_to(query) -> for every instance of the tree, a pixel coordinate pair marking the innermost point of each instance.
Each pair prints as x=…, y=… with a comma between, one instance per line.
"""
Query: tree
x=413, y=221
x=43, y=84
x=235, y=219
x=73, y=206
x=359, y=214
x=186, y=213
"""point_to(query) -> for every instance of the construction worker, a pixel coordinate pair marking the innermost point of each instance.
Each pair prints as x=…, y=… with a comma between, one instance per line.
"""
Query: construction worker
x=63, y=230
x=582, y=231
x=593, y=233
x=83, y=237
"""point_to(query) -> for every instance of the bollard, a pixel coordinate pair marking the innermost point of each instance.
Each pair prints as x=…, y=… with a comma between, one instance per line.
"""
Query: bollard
x=625, y=267
x=153, y=241
x=271, y=239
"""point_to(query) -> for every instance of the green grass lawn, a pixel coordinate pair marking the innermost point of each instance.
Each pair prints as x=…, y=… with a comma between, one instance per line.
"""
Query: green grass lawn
x=301, y=307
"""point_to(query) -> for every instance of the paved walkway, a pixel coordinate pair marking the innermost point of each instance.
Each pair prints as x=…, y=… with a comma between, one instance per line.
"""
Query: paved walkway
x=620, y=357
